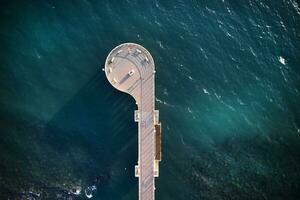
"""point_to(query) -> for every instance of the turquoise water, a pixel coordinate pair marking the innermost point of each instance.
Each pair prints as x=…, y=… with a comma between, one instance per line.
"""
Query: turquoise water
x=227, y=86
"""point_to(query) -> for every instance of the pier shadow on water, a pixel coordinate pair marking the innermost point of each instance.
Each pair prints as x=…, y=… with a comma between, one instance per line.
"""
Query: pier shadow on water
x=91, y=140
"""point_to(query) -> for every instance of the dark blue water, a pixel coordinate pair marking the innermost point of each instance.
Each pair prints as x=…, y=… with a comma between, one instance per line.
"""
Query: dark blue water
x=227, y=86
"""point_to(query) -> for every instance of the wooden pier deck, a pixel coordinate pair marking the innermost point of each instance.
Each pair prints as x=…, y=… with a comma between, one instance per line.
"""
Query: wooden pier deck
x=130, y=68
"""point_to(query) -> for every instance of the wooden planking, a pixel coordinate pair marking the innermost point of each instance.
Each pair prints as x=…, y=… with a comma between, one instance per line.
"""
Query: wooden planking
x=158, y=141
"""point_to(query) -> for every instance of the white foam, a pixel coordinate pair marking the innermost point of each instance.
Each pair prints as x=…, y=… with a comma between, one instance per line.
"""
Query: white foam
x=218, y=96
x=158, y=100
x=163, y=102
x=228, y=10
x=157, y=23
x=205, y=91
x=296, y=6
x=240, y=101
x=282, y=25
x=160, y=44
x=229, y=35
x=252, y=52
x=165, y=91
x=283, y=75
x=282, y=60
x=37, y=54
x=210, y=10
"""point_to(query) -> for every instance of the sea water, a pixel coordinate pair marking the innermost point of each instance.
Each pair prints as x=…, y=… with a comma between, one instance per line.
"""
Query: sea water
x=227, y=87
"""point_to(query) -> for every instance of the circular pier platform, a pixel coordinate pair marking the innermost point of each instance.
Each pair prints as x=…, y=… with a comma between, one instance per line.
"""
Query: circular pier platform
x=127, y=66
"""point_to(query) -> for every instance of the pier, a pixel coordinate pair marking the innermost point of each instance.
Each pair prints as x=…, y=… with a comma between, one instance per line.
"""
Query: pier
x=130, y=68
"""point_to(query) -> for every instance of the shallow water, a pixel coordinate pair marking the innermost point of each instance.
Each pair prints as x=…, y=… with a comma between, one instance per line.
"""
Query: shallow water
x=227, y=89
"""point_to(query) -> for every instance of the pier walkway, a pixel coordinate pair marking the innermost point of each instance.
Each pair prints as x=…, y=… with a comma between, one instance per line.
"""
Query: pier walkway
x=130, y=68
